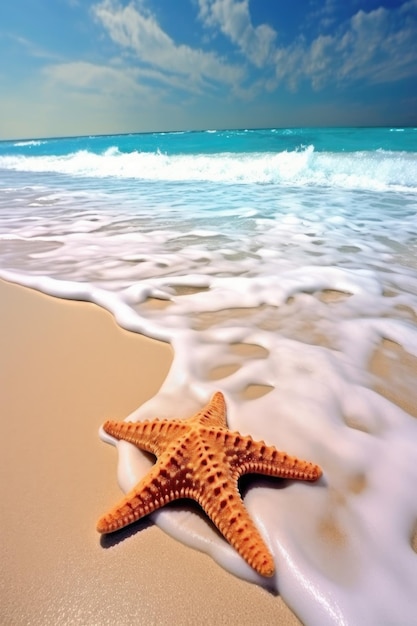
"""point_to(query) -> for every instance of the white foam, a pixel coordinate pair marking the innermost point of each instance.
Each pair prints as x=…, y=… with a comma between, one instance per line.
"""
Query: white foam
x=357, y=170
x=30, y=142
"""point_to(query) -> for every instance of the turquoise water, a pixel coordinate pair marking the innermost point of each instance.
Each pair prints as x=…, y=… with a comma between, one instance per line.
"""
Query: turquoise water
x=235, y=141
x=302, y=242
x=285, y=196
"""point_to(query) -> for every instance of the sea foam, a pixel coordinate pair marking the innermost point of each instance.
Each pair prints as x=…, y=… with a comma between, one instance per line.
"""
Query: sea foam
x=378, y=170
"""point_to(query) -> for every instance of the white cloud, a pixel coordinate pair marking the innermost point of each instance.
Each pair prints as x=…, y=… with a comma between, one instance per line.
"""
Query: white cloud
x=88, y=77
x=113, y=79
x=234, y=20
x=378, y=46
x=136, y=31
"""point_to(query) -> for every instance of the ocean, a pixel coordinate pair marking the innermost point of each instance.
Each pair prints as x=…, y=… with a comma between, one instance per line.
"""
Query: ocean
x=281, y=264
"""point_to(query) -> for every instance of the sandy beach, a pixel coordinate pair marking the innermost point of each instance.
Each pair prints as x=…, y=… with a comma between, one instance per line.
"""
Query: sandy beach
x=65, y=367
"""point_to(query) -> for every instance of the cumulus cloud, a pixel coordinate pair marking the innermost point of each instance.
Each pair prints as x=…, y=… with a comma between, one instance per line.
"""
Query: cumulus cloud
x=377, y=46
x=137, y=31
x=234, y=20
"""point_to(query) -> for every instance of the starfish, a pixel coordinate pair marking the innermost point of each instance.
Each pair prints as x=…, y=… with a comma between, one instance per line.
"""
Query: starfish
x=201, y=459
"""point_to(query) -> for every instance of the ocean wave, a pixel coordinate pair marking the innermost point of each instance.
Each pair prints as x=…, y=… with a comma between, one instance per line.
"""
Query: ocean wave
x=31, y=142
x=376, y=170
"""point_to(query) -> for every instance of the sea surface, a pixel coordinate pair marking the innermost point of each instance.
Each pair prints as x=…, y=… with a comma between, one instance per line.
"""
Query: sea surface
x=281, y=264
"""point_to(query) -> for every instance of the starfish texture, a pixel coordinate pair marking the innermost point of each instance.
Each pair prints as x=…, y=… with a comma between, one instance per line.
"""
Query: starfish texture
x=201, y=459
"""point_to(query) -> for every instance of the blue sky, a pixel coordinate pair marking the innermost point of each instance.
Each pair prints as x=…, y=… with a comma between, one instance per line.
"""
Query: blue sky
x=72, y=67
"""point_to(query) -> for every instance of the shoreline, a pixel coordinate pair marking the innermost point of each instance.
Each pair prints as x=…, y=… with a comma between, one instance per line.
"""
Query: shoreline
x=66, y=366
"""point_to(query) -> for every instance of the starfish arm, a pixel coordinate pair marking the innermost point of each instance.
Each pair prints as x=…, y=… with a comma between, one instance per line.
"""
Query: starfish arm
x=150, y=436
x=164, y=483
x=255, y=457
x=228, y=514
x=214, y=413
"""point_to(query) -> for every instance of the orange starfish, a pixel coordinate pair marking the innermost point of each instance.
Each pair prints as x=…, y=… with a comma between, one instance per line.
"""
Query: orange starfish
x=200, y=458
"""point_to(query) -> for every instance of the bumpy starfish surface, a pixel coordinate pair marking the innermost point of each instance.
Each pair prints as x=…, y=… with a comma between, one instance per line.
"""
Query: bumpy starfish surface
x=200, y=458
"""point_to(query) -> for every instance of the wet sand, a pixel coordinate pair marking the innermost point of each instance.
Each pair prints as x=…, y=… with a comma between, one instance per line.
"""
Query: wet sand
x=65, y=367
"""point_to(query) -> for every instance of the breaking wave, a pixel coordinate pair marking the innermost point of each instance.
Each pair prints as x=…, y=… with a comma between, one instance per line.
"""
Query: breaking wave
x=377, y=170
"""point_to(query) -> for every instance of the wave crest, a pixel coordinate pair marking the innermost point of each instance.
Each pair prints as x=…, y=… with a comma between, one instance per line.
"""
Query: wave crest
x=378, y=170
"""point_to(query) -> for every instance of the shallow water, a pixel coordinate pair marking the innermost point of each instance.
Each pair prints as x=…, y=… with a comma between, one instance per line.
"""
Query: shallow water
x=287, y=278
